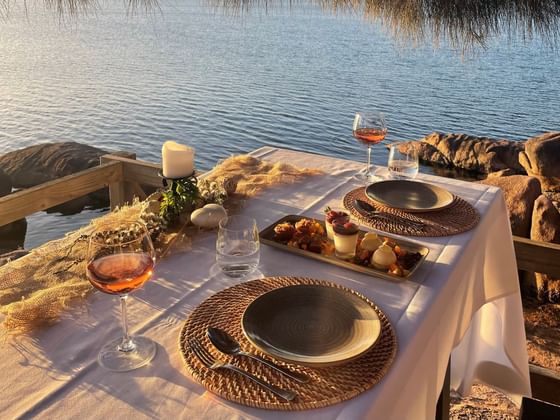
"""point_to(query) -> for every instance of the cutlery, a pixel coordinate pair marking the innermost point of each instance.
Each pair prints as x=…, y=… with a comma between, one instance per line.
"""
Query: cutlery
x=368, y=210
x=228, y=345
x=210, y=362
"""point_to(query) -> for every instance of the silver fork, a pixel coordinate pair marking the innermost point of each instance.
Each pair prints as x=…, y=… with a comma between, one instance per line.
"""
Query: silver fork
x=212, y=363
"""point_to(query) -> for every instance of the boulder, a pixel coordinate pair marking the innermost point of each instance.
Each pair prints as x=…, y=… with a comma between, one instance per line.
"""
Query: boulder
x=503, y=172
x=520, y=192
x=45, y=162
x=545, y=224
x=546, y=227
x=541, y=158
x=12, y=235
x=475, y=154
x=5, y=183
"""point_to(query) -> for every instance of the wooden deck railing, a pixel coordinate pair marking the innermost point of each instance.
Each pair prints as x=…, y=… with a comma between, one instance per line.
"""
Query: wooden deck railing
x=125, y=178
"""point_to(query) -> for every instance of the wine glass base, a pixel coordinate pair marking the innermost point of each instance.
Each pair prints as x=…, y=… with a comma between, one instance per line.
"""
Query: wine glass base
x=367, y=178
x=113, y=359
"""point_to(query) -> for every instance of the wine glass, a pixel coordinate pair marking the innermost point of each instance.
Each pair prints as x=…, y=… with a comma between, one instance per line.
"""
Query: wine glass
x=369, y=128
x=120, y=259
x=403, y=161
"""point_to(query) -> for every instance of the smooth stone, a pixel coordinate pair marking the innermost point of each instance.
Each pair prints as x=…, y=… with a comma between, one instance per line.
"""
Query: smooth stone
x=546, y=228
x=520, y=192
x=208, y=216
x=541, y=158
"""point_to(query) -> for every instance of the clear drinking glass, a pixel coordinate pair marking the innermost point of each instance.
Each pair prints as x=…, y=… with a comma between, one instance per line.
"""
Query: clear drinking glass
x=120, y=259
x=237, y=246
x=403, y=161
x=369, y=128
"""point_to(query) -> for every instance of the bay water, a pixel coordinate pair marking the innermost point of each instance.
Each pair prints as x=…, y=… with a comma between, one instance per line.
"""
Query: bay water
x=289, y=77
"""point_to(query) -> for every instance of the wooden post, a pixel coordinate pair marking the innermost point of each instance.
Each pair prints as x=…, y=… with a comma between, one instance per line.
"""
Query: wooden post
x=120, y=192
x=537, y=257
x=444, y=401
x=135, y=175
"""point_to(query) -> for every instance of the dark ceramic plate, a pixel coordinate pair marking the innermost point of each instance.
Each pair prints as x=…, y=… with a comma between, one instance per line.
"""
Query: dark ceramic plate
x=409, y=196
x=311, y=325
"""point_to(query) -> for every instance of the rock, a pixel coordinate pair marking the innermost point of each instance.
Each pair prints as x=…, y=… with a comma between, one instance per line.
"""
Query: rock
x=503, y=172
x=520, y=192
x=541, y=158
x=5, y=183
x=476, y=154
x=46, y=162
x=546, y=227
x=12, y=235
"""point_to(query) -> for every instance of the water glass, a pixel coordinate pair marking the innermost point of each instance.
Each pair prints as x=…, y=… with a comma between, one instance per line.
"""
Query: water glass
x=403, y=161
x=237, y=246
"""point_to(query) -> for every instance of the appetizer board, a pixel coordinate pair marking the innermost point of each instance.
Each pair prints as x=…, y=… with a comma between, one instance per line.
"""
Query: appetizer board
x=322, y=250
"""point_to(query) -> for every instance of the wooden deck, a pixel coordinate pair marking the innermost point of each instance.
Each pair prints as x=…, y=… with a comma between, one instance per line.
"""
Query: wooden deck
x=126, y=178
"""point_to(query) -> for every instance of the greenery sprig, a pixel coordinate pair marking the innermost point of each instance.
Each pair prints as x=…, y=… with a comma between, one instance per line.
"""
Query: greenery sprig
x=179, y=197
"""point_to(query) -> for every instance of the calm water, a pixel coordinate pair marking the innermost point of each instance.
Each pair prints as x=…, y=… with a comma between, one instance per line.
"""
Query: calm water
x=290, y=78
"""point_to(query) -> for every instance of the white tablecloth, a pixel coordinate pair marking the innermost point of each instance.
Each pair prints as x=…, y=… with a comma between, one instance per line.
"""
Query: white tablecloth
x=465, y=297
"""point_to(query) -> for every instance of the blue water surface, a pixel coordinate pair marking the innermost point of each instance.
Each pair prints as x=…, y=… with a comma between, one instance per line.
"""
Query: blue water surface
x=289, y=77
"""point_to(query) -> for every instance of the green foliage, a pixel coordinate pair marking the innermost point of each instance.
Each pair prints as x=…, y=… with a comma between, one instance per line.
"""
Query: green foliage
x=181, y=196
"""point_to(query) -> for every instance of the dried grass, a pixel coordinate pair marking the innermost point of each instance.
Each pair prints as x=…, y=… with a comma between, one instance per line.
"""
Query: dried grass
x=37, y=288
x=463, y=23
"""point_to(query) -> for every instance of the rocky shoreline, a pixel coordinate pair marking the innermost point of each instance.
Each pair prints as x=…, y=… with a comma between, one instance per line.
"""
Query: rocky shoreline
x=528, y=172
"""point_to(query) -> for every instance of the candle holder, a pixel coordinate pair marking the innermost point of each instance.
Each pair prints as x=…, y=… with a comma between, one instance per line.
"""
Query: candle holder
x=165, y=180
x=180, y=195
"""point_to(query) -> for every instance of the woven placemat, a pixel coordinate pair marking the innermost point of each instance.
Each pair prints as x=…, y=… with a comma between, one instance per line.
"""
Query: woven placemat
x=329, y=385
x=458, y=217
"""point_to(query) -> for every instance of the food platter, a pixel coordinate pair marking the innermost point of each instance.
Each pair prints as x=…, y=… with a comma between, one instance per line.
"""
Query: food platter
x=409, y=196
x=268, y=237
x=311, y=325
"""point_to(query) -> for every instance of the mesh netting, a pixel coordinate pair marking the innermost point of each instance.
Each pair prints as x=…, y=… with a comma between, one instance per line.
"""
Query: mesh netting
x=37, y=288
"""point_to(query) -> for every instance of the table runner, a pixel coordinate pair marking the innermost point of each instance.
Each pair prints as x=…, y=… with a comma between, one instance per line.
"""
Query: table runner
x=465, y=296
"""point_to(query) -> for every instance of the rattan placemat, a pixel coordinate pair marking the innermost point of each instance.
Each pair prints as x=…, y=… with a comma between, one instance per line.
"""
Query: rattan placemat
x=458, y=217
x=329, y=385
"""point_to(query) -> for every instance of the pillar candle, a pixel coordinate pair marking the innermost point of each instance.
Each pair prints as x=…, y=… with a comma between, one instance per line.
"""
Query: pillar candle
x=177, y=160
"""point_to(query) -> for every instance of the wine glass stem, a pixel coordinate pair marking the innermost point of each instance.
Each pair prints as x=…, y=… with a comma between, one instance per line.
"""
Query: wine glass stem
x=127, y=344
x=368, y=167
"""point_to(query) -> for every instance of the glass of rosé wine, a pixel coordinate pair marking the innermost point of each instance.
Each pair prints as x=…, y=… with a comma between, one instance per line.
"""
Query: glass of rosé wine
x=369, y=128
x=120, y=259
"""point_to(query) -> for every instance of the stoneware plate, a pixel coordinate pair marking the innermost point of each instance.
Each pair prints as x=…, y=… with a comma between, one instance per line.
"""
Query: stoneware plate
x=410, y=196
x=311, y=325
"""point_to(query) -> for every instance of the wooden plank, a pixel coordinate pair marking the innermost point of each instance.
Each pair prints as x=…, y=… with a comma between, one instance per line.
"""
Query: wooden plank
x=41, y=197
x=534, y=409
x=539, y=257
x=138, y=171
x=545, y=384
x=119, y=194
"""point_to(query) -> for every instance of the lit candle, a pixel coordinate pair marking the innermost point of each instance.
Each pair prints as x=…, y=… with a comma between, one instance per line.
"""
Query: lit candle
x=177, y=160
